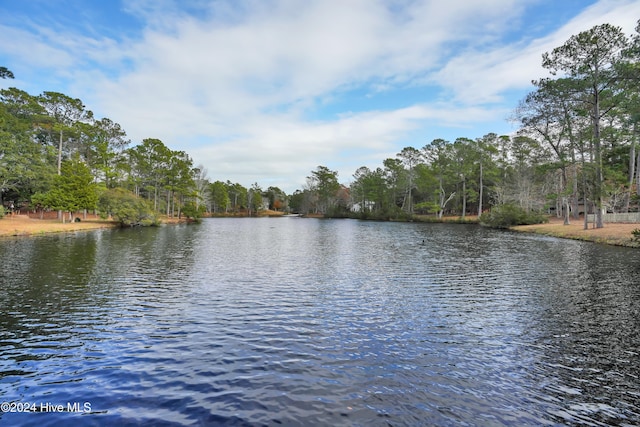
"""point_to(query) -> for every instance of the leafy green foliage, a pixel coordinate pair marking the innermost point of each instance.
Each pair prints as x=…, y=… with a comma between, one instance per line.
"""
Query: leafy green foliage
x=126, y=208
x=254, y=198
x=219, y=197
x=25, y=166
x=40, y=134
x=323, y=185
x=191, y=211
x=505, y=216
x=277, y=198
x=236, y=196
x=2, y=211
x=636, y=233
x=74, y=189
x=427, y=207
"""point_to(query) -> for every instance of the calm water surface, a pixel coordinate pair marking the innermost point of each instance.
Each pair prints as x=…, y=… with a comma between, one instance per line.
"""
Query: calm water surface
x=294, y=321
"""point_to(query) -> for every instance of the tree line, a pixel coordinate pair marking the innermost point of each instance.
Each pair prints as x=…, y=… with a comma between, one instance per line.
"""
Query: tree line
x=576, y=151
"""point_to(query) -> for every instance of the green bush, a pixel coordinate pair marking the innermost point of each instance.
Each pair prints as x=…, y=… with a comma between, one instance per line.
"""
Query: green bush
x=337, y=212
x=385, y=214
x=505, y=216
x=126, y=208
x=2, y=211
x=191, y=211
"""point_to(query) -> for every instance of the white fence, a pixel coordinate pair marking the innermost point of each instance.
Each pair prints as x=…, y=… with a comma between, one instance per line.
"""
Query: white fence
x=617, y=217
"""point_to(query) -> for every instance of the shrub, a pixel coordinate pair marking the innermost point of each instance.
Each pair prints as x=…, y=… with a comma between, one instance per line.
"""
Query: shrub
x=636, y=233
x=191, y=211
x=505, y=216
x=384, y=214
x=126, y=208
x=337, y=212
x=2, y=211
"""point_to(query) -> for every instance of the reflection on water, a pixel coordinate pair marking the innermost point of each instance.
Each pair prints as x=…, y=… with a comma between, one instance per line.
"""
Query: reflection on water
x=294, y=321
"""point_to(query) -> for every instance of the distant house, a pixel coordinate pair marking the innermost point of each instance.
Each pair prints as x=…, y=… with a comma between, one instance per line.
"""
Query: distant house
x=358, y=207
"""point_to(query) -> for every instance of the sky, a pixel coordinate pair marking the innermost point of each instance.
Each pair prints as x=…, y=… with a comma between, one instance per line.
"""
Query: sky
x=265, y=91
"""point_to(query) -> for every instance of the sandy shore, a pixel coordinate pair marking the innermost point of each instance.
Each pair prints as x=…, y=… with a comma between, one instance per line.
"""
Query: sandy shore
x=612, y=234
x=22, y=225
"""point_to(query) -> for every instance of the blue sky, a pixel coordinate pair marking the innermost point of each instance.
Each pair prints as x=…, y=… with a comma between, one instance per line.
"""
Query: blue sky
x=266, y=90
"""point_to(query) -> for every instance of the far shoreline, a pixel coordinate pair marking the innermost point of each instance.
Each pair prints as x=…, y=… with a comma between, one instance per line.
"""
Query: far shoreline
x=616, y=234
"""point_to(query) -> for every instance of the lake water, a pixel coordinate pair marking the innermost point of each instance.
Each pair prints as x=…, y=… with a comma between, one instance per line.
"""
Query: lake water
x=289, y=321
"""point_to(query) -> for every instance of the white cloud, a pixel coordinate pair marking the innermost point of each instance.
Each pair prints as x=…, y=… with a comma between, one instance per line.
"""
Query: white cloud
x=483, y=76
x=285, y=147
x=34, y=49
x=304, y=49
x=255, y=77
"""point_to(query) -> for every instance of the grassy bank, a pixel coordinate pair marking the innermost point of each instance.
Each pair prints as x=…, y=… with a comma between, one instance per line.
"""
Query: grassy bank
x=618, y=234
x=22, y=225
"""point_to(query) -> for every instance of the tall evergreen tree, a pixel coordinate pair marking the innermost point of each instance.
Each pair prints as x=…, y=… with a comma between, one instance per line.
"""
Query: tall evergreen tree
x=591, y=59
